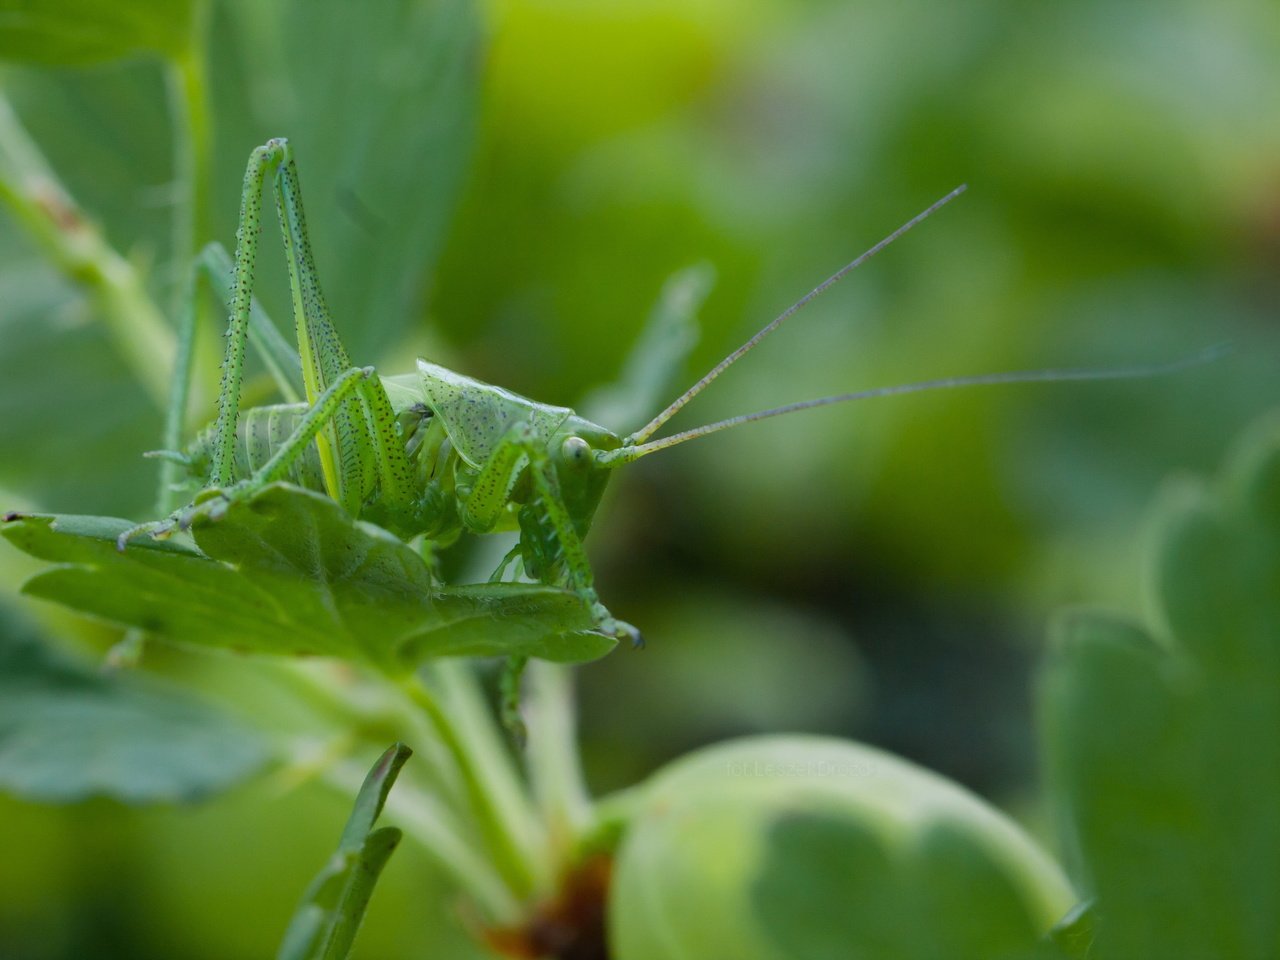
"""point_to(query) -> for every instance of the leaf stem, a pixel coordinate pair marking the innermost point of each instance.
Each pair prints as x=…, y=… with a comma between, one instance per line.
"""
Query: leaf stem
x=55, y=222
x=326, y=688
x=554, y=768
x=495, y=798
x=188, y=100
x=445, y=831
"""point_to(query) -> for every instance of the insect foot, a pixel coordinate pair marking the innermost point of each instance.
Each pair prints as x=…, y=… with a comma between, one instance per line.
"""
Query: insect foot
x=156, y=529
x=612, y=627
x=211, y=504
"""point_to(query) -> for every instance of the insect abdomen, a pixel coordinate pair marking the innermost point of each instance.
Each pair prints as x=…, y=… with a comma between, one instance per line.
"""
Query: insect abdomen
x=263, y=430
x=259, y=434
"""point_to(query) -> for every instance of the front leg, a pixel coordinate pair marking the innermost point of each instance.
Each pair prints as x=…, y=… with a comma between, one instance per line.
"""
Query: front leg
x=490, y=494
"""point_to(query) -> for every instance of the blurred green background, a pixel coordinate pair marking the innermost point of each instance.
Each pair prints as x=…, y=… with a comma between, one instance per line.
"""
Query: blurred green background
x=506, y=187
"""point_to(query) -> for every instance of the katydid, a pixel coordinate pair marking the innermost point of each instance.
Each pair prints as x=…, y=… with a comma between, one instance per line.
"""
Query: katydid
x=435, y=453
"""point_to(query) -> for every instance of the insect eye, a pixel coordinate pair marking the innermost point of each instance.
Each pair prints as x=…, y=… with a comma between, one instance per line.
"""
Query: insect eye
x=575, y=450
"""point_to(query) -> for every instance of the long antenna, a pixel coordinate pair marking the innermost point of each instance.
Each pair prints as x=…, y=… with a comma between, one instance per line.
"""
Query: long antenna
x=650, y=428
x=631, y=452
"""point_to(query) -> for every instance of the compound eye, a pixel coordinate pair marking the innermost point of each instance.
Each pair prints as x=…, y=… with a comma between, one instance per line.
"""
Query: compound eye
x=575, y=450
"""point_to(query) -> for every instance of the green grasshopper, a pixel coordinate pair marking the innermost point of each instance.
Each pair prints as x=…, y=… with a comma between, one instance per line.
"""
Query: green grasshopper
x=434, y=453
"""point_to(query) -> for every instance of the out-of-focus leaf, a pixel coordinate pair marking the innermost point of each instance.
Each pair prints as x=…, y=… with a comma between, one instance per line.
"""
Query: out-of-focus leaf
x=1072, y=937
x=88, y=31
x=68, y=732
x=72, y=421
x=325, y=925
x=808, y=848
x=379, y=101
x=373, y=796
x=644, y=385
x=288, y=572
x=1166, y=757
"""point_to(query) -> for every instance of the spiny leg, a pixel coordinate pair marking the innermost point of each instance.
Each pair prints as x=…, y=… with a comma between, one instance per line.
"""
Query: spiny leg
x=489, y=496
x=358, y=443
x=575, y=555
x=360, y=447
x=263, y=158
x=215, y=268
x=213, y=501
x=352, y=382
x=222, y=460
x=345, y=454
x=480, y=511
x=481, y=507
x=396, y=490
x=327, y=358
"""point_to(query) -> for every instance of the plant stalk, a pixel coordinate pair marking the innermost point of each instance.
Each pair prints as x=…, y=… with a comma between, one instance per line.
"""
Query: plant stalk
x=54, y=221
x=189, y=109
x=495, y=806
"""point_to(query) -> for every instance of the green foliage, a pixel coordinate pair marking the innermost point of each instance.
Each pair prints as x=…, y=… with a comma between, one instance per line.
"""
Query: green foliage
x=288, y=572
x=113, y=420
x=1072, y=937
x=387, y=176
x=88, y=31
x=386, y=150
x=811, y=849
x=69, y=732
x=1164, y=751
x=646, y=381
x=380, y=100
x=326, y=923
x=1122, y=183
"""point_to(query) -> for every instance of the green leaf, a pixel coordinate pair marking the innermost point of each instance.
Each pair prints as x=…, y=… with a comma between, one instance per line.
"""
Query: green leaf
x=288, y=572
x=1165, y=755
x=382, y=152
x=379, y=100
x=90, y=31
x=325, y=924
x=810, y=848
x=373, y=796
x=1072, y=937
x=647, y=380
x=54, y=359
x=68, y=732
